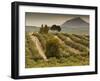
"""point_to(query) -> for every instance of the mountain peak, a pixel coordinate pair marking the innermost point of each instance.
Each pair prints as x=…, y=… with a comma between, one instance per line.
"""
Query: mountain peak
x=75, y=22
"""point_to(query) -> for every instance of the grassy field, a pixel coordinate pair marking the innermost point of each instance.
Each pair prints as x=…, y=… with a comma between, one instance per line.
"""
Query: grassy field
x=60, y=49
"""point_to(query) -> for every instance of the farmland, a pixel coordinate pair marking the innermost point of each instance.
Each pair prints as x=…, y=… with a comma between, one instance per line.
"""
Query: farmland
x=56, y=49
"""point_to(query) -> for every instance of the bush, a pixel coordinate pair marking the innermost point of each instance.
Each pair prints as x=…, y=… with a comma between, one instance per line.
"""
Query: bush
x=44, y=29
x=52, y=48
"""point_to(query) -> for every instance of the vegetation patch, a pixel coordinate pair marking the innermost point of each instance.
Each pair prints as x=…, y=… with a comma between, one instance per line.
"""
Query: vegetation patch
x=58, y=50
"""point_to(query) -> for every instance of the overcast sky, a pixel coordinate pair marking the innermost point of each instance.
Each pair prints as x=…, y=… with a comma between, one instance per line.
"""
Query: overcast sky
x=36, y=19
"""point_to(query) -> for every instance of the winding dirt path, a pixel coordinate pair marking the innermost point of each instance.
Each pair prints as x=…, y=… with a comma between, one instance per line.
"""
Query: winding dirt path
x=38, y=46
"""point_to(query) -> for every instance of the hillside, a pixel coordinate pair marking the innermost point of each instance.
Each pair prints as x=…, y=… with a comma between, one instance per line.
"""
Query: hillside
x=56, y=49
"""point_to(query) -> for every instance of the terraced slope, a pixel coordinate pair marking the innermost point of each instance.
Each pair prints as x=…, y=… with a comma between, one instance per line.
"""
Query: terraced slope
x=56, y=49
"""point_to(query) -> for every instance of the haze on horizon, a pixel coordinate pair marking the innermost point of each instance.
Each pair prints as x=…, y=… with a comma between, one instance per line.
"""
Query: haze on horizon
x=37, y=19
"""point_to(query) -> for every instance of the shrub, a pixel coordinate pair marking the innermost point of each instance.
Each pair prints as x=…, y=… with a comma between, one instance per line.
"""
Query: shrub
x=52, y=48
x=44, y=29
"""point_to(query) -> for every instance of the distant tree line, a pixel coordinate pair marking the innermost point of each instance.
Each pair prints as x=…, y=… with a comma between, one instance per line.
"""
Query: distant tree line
x=56, y=28
x=45, y=29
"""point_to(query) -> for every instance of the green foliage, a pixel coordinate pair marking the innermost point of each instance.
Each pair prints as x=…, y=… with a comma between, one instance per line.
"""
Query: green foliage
x=52, y=48
x=72, y=44
x=55, y=28
x=78, y=40
x=58, y=54
x=44, y=29
x=82, y=37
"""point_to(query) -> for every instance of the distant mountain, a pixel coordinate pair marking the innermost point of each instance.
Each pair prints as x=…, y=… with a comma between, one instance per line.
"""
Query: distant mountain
x=75, y=25
x=75, y=22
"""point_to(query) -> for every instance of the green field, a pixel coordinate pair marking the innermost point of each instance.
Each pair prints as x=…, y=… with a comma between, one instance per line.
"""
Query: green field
x=56, y=49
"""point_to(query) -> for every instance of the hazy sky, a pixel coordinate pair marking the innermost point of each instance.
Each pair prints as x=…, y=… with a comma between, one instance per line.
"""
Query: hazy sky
x=36, y=19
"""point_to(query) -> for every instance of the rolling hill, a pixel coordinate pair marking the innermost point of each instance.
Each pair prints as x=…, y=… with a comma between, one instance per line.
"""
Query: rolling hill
x=56, y=49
